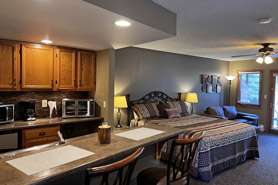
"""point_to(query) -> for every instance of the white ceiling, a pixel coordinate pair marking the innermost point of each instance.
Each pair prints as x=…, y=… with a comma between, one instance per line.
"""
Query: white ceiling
x=72, y=23
x=219, y=28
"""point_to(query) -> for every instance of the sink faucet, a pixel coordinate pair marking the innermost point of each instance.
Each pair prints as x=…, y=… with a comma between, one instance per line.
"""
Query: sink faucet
x=61, y=139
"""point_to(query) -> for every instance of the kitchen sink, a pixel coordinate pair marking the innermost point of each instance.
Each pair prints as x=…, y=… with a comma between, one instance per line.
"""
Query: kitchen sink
x=31, y=149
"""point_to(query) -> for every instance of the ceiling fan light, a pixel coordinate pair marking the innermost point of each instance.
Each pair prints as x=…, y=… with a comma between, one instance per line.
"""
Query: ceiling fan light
x=268, y=60
x=260, y=60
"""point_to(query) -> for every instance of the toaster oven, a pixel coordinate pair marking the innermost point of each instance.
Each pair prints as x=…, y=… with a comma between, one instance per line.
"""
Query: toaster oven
x=6, y=113
x=74, y=108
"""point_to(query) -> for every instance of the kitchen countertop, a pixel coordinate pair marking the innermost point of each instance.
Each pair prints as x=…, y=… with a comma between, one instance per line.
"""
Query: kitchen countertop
x=119, y=146
x=41, y=122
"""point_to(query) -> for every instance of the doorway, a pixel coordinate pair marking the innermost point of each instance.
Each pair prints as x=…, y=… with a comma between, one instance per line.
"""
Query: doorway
x=273, y=101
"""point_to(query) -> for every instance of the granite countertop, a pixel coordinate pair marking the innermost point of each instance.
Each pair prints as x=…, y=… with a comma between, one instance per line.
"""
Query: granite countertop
x=41, y=122
x=119, y=146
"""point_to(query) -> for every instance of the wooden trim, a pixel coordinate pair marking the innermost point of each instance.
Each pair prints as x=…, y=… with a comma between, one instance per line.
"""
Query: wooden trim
x=269, y=99
x=260, y=93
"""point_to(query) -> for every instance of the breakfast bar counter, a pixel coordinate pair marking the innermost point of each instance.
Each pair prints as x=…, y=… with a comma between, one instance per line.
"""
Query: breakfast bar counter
x=100, y=153
x=41, y=122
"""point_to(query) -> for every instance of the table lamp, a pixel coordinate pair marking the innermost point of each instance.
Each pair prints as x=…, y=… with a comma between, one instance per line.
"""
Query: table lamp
x=230, y=78
x=191, y=98
x=119, y=102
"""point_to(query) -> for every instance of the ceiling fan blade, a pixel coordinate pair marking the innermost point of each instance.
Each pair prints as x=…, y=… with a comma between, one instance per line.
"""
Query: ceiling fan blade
x=245, y=55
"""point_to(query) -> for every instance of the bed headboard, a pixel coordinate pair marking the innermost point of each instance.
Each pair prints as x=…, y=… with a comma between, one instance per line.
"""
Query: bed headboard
x=154, y=96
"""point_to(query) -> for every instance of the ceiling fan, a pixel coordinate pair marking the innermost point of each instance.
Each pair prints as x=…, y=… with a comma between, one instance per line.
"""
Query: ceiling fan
x=264, y=54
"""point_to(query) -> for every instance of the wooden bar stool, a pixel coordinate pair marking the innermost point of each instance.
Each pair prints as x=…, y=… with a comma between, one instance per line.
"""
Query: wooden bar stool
x=178, y=166
x=105, y=170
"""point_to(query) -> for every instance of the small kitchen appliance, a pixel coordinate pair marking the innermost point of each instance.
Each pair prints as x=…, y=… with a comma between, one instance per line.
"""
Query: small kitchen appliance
x=29, y=110
x=6, y=113
x=72, y=108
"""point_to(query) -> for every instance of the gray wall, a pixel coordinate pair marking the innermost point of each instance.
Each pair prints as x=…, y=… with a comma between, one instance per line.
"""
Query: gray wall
x=252, y=65
x=139, y=71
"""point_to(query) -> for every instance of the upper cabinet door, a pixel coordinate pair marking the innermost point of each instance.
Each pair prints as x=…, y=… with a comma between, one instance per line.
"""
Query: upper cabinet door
x=37, y=66
x=86, y=71
x=66, y=73
x=8, y=66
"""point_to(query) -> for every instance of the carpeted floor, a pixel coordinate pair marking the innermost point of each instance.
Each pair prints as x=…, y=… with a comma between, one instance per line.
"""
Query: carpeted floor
x=262, y=171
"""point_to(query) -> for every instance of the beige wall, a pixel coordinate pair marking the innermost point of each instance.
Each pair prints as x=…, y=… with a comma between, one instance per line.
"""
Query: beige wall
x=234, y=66
x=105, y=84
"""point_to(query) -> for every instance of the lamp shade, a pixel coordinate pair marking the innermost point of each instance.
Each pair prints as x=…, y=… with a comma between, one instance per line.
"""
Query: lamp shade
x=120, y=102
x=191, y=98
x=230, y=77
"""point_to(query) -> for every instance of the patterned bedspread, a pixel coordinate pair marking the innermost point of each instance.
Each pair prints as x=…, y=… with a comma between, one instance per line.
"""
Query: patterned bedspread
x=225, y=144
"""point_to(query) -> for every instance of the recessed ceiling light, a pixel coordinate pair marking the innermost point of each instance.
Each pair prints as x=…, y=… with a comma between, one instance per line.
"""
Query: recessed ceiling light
x=47, y=41
x=122, y=23
x=265, y=20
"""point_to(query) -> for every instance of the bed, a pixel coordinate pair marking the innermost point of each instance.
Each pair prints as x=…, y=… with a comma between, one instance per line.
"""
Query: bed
x=225, y=144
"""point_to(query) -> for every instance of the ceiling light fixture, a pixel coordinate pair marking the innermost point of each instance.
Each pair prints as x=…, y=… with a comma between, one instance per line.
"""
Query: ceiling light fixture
x=123, y=23
x=260, y=60
x=268, y=60
x=47, y=41
x=265, y=20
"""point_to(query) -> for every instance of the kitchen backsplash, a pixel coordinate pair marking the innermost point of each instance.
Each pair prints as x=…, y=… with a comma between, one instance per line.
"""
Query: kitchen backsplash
x=17, y=97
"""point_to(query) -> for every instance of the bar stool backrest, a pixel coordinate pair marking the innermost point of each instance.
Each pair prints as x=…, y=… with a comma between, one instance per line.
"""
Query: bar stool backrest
x=121, y=178
x=181, y=155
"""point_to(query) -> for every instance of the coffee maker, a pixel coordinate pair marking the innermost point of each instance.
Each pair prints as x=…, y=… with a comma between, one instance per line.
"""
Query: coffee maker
x=29, y=110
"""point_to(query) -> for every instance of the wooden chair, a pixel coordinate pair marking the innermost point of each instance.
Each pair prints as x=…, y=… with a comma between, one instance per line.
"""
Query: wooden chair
x=178, y=166
x=105, y=170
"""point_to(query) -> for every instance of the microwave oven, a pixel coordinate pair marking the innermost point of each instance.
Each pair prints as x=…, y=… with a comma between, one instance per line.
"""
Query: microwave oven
x=75, y=108
x=6, y=113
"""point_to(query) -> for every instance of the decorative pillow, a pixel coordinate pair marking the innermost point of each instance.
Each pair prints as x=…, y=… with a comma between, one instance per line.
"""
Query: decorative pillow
x=216, y=111
x=147, y=110
x=230, y=112
x=161, y=108
x=173, y=113
x=180, y=105
x=135, y=116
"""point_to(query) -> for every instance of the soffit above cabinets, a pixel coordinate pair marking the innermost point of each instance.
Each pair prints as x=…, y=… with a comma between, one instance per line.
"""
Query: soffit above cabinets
x=76, y=23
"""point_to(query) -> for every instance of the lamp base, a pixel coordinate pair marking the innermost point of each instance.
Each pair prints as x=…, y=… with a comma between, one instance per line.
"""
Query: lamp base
x=118, y=126
x=119, y=118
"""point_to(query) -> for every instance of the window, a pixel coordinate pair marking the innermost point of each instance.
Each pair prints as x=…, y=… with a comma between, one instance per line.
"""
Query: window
x=249, y=88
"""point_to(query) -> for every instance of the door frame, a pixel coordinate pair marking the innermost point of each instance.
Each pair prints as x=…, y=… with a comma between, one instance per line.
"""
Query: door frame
x=270, y=98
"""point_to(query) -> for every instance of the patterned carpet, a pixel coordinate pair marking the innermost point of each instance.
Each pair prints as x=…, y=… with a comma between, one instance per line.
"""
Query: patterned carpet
x=262, y=171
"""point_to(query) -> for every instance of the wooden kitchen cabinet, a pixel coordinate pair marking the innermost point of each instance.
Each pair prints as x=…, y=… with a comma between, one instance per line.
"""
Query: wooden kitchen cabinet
x=86, y=71
x=8, y=65
x=37, y=67
x=66, y=69
x=39, y=136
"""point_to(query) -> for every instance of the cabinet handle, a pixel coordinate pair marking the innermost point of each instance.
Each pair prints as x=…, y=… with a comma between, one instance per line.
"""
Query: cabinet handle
x=42, y=133
x=74, y=83
x=14, y=83
x=80, y=83
x=52, y=83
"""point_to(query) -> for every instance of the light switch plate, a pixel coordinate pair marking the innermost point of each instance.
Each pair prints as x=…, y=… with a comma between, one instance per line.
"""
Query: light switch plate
x=104, y=104
x=44, y=103
x=265, y=96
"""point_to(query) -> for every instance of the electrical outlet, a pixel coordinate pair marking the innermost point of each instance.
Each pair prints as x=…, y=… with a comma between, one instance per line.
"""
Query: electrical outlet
x=265, y=96
x=44, y=103
x=104, y=104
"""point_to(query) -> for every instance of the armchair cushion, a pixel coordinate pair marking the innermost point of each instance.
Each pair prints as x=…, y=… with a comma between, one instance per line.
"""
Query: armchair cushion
x=230, y=112
x=216, y=111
